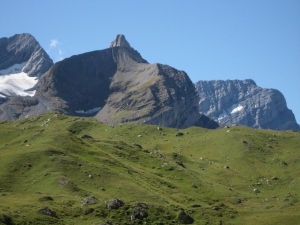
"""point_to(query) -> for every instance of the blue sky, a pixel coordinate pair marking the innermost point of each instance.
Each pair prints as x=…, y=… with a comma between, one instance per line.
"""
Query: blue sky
x=209, y=40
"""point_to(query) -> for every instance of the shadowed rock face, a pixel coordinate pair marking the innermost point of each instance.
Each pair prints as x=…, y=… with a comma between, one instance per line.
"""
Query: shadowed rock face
x=121, y=82
x=80, y=82
x=243, y=102
x=24, y=48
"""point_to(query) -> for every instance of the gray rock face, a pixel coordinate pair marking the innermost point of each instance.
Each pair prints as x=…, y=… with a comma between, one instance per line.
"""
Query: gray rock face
x=243, y=102
x=118, y=81
x=24, y=48
x=120, y=41
x=151, y=94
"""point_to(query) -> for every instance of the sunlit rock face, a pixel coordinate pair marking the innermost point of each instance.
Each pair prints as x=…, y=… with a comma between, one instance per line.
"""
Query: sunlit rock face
x=22, y=48
x=243, y=102
x=22, y=62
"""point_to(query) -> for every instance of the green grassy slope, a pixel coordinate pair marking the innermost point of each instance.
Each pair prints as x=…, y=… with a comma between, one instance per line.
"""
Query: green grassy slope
x=70, y=158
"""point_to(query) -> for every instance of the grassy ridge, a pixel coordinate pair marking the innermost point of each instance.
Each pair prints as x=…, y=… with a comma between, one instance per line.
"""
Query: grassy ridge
x=70, y=158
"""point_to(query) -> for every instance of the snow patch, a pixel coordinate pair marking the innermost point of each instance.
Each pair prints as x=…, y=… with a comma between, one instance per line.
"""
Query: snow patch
x=236, y=108
x=232, y=109
x=222, y=115
x=90, y=111
x=13, y=81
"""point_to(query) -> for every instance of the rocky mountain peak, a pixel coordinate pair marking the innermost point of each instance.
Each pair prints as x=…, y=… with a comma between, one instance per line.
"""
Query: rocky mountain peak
x=120, y=41
x=116, y=85
x=243, y=102
x=22, y=48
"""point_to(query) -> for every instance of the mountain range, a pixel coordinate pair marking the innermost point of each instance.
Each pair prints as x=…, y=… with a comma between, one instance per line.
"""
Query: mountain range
x=60, y=165
x=243, y=102
x=116, y=85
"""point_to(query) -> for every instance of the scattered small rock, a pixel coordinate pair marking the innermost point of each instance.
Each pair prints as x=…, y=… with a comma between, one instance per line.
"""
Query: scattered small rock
x=215, y=208
x=107, y=222
x=89, y=200
x=139, y=211
x=48, y=212
x=88, y=211
x=179, y=134
x=195, y=205
x=274, y=178
x=180, y=164
x=142, y=205
x=164, y=165
x=137, y=145
x=132, y=217
x=86, y=136
x=46, y=198
x=159, y=128
x=46, y=174
x=191, y=211
x=194, y=186
x=6, y=219
x=141, y=215
x=185, y=218
x=283, y=163
x=226, y=167
x=245, y=142
x=256, y=190
x=115, y=204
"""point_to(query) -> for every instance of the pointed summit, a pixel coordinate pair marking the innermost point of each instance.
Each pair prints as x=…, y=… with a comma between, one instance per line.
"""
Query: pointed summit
x=120, y=41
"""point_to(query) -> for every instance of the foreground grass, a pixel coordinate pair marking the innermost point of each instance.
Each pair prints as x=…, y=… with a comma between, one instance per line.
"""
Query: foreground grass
x=70, y=158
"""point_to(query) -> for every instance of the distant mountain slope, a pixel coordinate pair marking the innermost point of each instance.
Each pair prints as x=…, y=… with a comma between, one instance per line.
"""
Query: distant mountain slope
x=22, y=62
x=118, y=81
x=148, y=93
x=243, y=102
x=22, y=48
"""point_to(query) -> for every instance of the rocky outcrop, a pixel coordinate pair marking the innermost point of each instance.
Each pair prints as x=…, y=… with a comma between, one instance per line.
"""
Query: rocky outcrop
x=22, y=48
x=243, y=102
x=120, y=41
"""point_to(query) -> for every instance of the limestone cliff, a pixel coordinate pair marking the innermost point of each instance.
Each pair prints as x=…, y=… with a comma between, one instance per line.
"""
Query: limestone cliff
x=243, y=102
